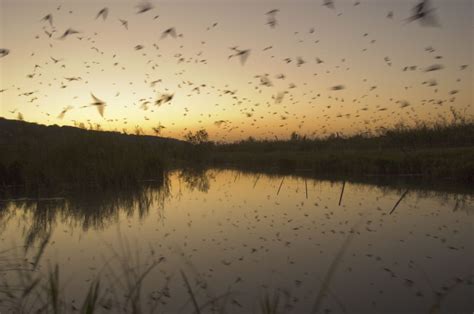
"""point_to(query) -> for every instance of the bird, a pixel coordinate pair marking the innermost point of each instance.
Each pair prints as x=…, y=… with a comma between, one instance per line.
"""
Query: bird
x=423, y=13
x=144, y=7
x=169, y=32
x=164, y=99
x=70, y=79
x=271, y=17
x=158, y=129
x=329, y=4
x=68, y=32
x=300, y=61
x=64, y=111
x=50, y=34
x=4, y=52
x=55, y=60
x=434, y=67
x=99, y=104
x=124, y=23
x=48, y=18
x=338, y=87
x=242, y=54
x=104, y=12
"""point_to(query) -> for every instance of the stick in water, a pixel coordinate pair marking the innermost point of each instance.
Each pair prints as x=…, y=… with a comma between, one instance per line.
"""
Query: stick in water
x=342, y=192
x=306, y=187
x=280, y=186
x=396, y=204
x=256, y=180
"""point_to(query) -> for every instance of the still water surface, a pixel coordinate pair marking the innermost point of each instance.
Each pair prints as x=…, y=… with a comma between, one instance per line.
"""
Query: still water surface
x=246, y=236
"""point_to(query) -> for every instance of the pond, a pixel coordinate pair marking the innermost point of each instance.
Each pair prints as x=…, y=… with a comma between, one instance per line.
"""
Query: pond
x=224, y=240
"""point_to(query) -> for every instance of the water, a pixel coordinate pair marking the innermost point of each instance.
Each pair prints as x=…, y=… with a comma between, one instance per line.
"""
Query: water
x=237, y=241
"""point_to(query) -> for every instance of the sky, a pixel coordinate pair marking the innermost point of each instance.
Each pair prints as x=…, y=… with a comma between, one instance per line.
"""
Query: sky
x=380, y=66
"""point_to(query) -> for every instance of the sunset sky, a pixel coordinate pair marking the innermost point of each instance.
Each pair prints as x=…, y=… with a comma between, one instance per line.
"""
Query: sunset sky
x=361, y=49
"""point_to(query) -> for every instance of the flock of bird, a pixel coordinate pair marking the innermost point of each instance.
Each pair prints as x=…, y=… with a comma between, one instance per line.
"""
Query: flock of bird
x=279, y=106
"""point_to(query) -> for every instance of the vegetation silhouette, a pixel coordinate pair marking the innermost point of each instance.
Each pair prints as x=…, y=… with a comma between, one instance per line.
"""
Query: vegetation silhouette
x=442, y=150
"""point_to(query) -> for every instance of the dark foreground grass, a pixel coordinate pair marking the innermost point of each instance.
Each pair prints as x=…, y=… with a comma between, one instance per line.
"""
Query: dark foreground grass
x=119, y=287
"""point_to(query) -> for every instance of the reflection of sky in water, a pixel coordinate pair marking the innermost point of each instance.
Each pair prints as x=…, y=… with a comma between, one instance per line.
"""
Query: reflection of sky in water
x=241, y=237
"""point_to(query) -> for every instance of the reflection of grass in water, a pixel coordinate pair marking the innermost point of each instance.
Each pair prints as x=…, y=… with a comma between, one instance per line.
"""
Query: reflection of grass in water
x=85, y=209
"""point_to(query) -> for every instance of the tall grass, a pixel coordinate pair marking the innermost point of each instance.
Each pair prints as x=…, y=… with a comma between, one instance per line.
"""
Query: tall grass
x=439, y=150
x=40, y=156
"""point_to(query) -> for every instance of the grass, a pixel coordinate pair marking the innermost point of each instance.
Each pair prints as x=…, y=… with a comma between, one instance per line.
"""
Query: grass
x=39, y=156
x=442, y=150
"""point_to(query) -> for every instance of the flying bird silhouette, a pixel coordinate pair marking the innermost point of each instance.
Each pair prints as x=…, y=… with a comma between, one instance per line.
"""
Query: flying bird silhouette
x=338, y=87
x=65, y=110
x=104, y=12
x=164, y=99
x=144, y=7
x=329, y=4
x=242, y=54
x=169, y=32
x=4, y=52
x=423, y=13
x=99, y=104
x=69, y=32
x=271, y=18
x=48, y=18
x=434, y=67
x=124, y=23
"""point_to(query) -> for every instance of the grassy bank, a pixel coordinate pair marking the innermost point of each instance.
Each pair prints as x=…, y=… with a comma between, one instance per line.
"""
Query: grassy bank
x=430, y=151
x=43, y=156
x=452, y=163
